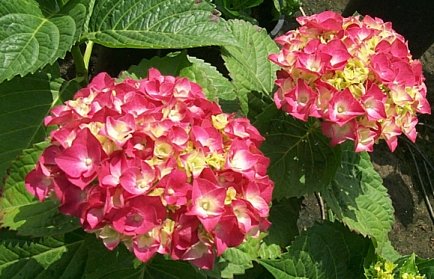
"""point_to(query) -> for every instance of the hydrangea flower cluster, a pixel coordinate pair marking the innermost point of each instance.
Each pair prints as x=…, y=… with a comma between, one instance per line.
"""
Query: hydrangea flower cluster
x=356, y=75
x=153, y=164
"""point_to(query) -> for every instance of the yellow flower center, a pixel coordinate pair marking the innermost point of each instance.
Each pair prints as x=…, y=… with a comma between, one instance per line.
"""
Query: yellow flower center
x=220, y=121
x=231, y=194
x=162, y=150
x=215, y=160
x=352, y=77
x=142, y=184
x=156, y=192
x=303, y=99
x=205, y=205
x=195, y=163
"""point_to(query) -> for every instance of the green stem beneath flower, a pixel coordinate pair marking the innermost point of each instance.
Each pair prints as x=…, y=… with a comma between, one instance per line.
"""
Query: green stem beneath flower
x=81, y=62
x=80, y=67
x=87, y=55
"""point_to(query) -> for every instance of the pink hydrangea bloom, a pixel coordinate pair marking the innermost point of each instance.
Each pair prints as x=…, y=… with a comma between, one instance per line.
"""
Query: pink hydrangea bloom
x=153, y=164
x=356, y=75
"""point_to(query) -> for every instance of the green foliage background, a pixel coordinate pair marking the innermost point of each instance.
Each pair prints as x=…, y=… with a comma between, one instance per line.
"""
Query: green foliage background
x=36, y=241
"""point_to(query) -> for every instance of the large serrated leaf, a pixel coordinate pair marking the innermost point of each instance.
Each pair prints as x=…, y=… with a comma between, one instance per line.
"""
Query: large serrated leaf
x=358, y=197
x=287, y=7
x=407, y=265
x=59, y=257
x=41, y=258
x=171, y=64
x=302, y=160
x=238, y=8
x=237, y=260
x=283, y=217
x=21, y=211
x=24, y=102
x=389, y=252
x=214, y=84
x=287, y=268
x=160, y=268
x=156, y=24
x=76, y=255
x=248, y=62
x=121, y=263
x=326, y=251
x=34, y=34
x=426, y=267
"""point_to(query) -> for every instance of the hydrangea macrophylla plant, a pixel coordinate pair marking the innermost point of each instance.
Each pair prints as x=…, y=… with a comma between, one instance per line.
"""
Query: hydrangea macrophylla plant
x=153, y=164
x=356, y=75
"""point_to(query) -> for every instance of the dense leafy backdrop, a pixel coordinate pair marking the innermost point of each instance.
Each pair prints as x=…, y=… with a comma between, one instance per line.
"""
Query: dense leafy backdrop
x=38, y=242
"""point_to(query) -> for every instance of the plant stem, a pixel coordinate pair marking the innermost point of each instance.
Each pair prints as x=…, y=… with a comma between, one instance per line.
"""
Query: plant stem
x=425, y=196
x=414, y=146
x=302, y=11
x=431, y=186
x=87, y=55
x=280, y=22
x=80, y=67
x=321, y=205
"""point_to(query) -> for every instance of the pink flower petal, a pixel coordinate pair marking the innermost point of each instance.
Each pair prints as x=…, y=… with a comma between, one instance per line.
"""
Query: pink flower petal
x=343, y=107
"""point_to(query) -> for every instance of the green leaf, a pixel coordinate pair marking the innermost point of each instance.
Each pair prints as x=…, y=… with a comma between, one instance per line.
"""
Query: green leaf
x=241, y=4
x=283, y=217
x=73, y=255
x=388, y=252
x=407, y=265
x=24, y=102
x=326, y=251
x=240, y=9
x=67, y=91
x=213, y=83
x=426, y=267
x=118, y=263
x=156, y=24
x=257, y=272
x=232, y=106
x=77, y=255
x=248, y=62
x=42, y=258
x=358, y=197
x=287, y=268
x=21, y=211
x=236, y=260
x=287, y=7
x=33, y=35
x=161, y=268
x=302, y=160
x=261, y=107
x=122, y=264
x=171, y=64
